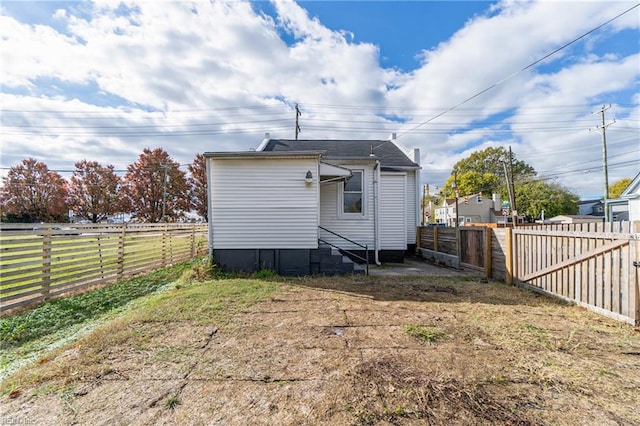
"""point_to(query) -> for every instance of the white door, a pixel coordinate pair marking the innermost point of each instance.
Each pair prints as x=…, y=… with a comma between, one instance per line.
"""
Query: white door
x=393, y=217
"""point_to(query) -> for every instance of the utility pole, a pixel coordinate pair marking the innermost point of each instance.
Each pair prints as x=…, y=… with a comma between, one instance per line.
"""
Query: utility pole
x=510, y=192
x=514, y=209
x=455, y=187
x=605, y=171
x=425, y=192
x=298, y=114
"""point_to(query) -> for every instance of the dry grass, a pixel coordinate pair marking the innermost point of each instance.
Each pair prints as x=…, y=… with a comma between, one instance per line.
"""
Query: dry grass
x=351, y=350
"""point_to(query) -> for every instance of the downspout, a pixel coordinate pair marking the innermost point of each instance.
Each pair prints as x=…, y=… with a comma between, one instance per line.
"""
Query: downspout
x=376, y=224
x=418, y=212
x=318, y=216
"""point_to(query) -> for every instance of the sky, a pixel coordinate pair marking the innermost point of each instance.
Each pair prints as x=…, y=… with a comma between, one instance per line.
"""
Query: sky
x=103, y=80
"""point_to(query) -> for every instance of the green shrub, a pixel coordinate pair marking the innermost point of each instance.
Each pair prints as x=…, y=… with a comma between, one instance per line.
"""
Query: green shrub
x=202, y=269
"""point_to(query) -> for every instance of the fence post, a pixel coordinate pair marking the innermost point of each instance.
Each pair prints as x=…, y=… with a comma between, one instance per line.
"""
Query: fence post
x=164, y=245
x=435, y=239
x=100, y=258
x=193, y=240
x=121, y=239
x=509, y=256
x=46, y=260
x=487, y=252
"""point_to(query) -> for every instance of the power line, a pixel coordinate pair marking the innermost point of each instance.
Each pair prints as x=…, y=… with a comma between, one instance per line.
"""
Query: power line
x=597, y=159
x=285, y=109
x=155, y=111
x=519, y=71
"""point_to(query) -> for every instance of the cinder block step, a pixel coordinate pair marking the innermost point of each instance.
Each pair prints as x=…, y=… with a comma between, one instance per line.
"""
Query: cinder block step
x=329, y=261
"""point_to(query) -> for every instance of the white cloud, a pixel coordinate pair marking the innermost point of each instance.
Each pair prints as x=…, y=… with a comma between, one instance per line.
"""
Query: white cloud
x=202, y=68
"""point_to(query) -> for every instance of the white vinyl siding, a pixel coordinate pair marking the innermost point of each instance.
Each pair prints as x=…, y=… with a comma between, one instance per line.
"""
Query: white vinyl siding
x=393, y=211
x=355, y=227
x=263, y=203
x=634, y=209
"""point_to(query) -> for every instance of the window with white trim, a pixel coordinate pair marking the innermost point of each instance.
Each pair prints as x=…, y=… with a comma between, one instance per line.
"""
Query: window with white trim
x=353, y=194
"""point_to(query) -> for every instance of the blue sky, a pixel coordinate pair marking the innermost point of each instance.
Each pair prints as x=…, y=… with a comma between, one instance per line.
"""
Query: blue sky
x=103, y=80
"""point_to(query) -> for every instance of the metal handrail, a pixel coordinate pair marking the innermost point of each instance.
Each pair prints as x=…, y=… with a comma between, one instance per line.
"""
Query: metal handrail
x=365, y=247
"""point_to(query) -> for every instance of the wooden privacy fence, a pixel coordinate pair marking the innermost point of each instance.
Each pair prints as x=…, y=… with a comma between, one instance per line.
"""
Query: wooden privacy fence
x=595, y=265
x=42, y=261
x=439, y=239
x=464, y=247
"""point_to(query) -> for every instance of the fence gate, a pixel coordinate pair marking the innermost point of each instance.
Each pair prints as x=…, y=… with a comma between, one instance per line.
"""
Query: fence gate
x=472, y=247
x=596, y=269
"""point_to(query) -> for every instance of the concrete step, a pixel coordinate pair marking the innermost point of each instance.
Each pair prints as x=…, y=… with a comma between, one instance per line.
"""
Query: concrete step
x=328, y=260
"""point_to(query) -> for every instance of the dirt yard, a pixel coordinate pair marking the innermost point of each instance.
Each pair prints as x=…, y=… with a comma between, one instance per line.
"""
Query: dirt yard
x=340, y=351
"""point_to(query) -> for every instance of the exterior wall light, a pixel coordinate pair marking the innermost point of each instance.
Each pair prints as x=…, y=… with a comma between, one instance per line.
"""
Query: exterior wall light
x=309, y=177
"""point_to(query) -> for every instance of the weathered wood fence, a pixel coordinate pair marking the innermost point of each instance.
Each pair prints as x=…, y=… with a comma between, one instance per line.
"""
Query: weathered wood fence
x=38, y=262
x=595, y=265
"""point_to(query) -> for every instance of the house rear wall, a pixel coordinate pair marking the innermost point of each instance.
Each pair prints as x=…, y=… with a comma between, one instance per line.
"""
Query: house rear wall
x=358, y=229
x=263, y=203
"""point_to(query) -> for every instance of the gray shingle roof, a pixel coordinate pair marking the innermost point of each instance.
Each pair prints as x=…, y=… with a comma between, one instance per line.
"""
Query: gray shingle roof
x=385, y=150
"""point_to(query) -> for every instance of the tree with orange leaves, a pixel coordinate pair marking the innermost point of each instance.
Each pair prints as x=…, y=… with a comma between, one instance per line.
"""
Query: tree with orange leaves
x=94, y=191
x=198, y=185
x=155, y=188
x=32, y=193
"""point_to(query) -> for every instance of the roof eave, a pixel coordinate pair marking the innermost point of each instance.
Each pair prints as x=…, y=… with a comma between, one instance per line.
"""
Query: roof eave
x=263, y=154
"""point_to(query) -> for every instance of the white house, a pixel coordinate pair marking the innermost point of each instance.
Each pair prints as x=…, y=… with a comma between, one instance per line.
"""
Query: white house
x=285, y=205
x=446, y=213
x=632, y=195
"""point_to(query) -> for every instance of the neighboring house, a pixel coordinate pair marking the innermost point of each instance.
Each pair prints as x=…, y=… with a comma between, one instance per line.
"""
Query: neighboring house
x=471, y=209
x=575, y=218
x=632, y=197
x=591, y=207
x=446, y=213
x=270, y=207
x=618, y=209
x=597, y=209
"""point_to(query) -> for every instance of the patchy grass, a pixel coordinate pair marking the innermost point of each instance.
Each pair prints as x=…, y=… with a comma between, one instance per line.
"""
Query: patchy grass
x=340, y=350
x=425, y=334
x=172, y=402
x=28, y=333
x=147, y=329
x=391, y=392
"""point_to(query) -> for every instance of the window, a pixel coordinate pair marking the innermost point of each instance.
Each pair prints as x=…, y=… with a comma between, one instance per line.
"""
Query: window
x=352, y=192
